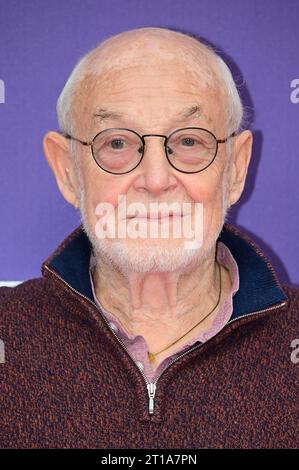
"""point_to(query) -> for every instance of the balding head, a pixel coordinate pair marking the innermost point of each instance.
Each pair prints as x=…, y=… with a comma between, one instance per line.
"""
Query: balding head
x=150, y=48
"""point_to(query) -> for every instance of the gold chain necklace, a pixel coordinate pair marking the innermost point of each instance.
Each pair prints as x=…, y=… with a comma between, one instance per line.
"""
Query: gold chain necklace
x=151, y=356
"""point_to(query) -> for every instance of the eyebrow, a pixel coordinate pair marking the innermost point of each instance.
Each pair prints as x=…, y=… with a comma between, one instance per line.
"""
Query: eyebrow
x=104, y=114
x=190, y=111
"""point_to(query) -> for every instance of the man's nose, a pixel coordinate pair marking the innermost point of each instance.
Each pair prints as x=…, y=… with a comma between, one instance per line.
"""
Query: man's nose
x=156, y=172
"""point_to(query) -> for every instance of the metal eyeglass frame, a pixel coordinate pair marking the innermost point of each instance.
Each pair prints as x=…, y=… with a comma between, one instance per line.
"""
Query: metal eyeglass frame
x=141, y=137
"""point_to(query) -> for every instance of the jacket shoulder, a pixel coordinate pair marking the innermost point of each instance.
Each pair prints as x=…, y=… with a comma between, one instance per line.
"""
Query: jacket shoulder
x=28, y=293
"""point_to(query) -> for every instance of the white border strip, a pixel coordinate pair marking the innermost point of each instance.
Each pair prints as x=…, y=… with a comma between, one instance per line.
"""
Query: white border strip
x=10, y=283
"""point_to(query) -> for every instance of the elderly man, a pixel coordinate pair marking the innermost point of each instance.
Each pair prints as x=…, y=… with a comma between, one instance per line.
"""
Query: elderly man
x=134, y=339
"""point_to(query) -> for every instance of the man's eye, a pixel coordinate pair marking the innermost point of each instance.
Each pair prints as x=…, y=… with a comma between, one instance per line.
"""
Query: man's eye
x=117, y=144
x=188, y=141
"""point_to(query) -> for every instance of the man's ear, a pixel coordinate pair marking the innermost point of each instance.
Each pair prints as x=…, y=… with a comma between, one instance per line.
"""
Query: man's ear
x=240, y=158
x=60, y=160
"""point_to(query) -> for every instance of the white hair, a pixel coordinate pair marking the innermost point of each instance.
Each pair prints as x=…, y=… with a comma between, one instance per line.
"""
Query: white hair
x=89, y=64
x=235, y=110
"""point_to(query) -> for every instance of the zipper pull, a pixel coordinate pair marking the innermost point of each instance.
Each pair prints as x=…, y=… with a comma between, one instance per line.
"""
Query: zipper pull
x=151, y=393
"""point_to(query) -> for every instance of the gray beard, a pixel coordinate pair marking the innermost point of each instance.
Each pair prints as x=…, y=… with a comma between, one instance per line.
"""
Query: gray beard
x=143, y=257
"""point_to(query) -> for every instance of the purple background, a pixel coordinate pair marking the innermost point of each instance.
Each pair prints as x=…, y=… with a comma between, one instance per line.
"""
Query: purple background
x=40, y=42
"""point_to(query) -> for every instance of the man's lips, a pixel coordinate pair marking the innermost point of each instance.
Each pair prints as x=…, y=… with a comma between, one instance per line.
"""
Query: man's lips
x=157, y=216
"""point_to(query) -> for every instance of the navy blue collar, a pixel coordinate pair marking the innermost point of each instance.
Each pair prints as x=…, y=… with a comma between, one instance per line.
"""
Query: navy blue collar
x=259, y=286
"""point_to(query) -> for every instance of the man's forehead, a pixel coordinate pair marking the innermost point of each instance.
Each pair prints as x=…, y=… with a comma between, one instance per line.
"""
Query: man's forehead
x=155, y=71
x=169, y=110
x=135, y=85
x=167, y=78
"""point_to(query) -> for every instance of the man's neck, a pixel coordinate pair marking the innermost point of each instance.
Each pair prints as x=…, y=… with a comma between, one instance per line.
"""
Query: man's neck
x=161, y=306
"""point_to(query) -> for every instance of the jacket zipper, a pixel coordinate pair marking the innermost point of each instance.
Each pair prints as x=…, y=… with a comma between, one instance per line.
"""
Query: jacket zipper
x=153, y=390
x=151, y=387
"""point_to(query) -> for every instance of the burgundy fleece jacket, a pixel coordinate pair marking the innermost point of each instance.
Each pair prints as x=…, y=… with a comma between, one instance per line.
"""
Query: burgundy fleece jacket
x=68, y=382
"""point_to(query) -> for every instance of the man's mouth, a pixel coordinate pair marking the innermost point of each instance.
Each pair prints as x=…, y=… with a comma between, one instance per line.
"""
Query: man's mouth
x=158, y=216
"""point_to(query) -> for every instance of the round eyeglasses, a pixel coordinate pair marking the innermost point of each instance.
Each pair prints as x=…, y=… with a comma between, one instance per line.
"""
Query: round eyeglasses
x=120, y=150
